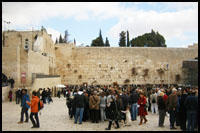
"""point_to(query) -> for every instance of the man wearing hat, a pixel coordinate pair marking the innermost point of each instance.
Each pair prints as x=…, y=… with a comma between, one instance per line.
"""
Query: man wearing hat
x=171, y=104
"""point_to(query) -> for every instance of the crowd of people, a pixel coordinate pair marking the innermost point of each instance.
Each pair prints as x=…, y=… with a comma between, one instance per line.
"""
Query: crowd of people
x=119, y=104
x=122, y=104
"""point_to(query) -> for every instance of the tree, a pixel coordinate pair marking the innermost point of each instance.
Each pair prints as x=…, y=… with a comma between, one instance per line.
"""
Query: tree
x=66, y=37
x=107, y=44
x=101, y=39
x=60, y=39
x=128, y=42
x=152, y=39
x=98, y=41
x=56, y=40
x=122, y=39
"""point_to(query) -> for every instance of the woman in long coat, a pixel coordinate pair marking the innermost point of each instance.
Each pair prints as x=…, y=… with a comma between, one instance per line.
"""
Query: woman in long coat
x=142, y=112
x=111, y=110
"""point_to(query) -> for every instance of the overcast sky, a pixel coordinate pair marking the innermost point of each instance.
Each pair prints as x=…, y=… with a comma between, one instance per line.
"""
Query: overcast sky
x=176, y=21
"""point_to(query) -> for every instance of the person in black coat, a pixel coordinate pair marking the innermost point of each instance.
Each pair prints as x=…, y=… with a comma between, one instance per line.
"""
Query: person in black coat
x=44, y=96
x=73, y=104
x=191, y=104
x=125, y=101
x=183, y=113
x=111, y=110
x=12, y=82
x=162, y=109
x=86, y=108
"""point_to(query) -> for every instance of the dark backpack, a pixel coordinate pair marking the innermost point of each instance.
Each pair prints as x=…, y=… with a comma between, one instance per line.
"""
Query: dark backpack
x=40, y=105
x=153, y=100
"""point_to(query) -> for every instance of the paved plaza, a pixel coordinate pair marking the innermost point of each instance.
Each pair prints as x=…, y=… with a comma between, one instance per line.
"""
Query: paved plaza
x=54, y=117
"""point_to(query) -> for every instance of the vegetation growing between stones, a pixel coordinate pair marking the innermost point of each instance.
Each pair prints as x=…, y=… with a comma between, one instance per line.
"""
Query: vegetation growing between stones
x=177, y=77
x=146, y=71
x=75, y=71
x=80, y=77
x=126, y=81
x=133, y=71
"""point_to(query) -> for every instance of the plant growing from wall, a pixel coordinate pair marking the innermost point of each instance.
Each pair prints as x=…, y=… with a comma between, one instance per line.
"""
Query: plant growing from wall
x=133, y=71
x=80, y=77
x=68, y=65
x=161, y=72
x=146, y=72
x=126, y=81
x=75, y=71
x=177, y=77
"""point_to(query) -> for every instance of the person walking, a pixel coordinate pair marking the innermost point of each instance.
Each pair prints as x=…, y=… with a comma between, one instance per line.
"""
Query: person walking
x=12, y=82
x=25, y=106
x=133, y=102
x=58, y=94
x=178, y=115
x=111, y=110
x=128, y=117
x=183, y=113
x=125, y=100
x=94, y=106
x=103, y=106
x=171, y=105
x=48, y=94
x=10, y=95
x=18, y=96
x=153, y=101
x=80, y=101
x=44, y=96
x=161, y=109
x=86, y=107
x=34, y=110
x=191, y=104
x=142, y=110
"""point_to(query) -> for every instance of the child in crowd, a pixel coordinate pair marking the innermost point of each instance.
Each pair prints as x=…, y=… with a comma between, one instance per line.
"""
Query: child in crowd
x=128, y=117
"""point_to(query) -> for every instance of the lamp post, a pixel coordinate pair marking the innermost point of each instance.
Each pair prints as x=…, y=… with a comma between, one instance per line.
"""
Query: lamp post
x=7, y=22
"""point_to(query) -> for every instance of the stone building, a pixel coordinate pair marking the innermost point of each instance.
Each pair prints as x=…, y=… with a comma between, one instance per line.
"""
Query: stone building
x=30, y=54
x=44, y=64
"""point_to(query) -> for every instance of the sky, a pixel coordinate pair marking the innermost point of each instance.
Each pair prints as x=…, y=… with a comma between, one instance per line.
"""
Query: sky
x=176, y=21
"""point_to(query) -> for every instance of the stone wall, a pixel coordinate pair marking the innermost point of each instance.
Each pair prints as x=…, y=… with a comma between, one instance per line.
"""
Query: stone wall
x=5, y=91
x=37, y=63
x=97, y=65
x=10, y=63
x=46, y=83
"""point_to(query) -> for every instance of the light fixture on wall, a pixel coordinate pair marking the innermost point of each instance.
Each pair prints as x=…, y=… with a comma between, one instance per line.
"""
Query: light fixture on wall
x=26, y=46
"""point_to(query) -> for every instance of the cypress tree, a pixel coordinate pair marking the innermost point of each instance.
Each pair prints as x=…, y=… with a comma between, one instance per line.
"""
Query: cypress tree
x=122, y=39
x=60, y=39
x=101, y=39
x=128, y=42
x=107, y=44
x=56, y=40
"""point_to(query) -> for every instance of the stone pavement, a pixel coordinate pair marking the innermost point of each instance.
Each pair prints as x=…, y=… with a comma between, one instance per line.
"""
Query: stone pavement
x=54, y=117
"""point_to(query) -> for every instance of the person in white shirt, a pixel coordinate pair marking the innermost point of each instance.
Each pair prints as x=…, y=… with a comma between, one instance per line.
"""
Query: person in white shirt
x=128, y=116
x=153, y=101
